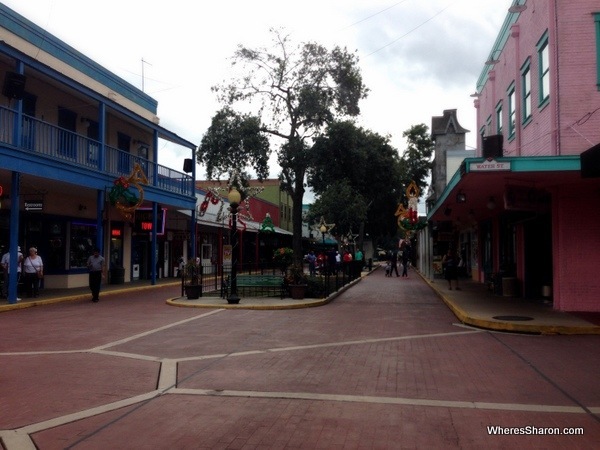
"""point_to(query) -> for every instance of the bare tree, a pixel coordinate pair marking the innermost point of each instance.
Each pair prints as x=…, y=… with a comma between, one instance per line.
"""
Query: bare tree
x=295, y=92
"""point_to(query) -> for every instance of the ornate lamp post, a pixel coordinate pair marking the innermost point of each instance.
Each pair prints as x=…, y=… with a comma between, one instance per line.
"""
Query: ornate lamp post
x=323, y=230
x=234, y=200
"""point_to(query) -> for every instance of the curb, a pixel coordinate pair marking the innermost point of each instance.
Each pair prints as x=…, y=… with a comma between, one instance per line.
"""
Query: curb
x=493, y=325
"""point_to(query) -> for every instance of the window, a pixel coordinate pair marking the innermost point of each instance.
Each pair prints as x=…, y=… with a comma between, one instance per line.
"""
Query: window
x=488, y=126
x=82, y=240
x=512, y=113
x=499, y=122
x=544, y=69
x=526, y=92
x=597, y=23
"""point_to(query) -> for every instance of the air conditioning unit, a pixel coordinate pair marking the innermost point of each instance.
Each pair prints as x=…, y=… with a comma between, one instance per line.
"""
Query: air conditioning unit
x=492, y=146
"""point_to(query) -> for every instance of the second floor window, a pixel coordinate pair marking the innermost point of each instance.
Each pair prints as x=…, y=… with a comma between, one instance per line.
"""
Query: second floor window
x=597, y=26
x=499, y=122
x=512, y=112
x=544, y=68
x=526, y=92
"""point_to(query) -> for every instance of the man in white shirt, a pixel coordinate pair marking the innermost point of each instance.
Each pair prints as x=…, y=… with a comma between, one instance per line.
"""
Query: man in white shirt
x=6, y=266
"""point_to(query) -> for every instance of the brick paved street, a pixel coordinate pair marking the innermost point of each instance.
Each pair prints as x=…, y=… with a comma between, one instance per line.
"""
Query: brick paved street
x=383, y=366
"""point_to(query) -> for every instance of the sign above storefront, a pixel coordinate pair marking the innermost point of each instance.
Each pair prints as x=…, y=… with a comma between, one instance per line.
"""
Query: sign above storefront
x=34, y=206
x=490, y=165
x=143, y=221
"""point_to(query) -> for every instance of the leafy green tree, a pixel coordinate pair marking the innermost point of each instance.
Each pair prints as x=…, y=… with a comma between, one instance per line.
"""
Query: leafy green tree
x=234, y=141
x=356, y=175
x=297, y=92
x=417, y=156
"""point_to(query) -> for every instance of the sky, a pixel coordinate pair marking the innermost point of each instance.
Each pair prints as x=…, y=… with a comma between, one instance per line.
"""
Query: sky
x=417, y=57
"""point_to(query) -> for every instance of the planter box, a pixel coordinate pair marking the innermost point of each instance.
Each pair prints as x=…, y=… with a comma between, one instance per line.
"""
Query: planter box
x=193, y=291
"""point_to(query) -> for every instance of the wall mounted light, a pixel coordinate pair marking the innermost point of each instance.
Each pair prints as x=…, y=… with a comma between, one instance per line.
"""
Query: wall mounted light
x=447, y=211
x=461, y=197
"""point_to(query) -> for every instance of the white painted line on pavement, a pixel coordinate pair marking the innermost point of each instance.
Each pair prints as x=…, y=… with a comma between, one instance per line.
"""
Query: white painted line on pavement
x=155, y=330
x=330, y=344
x=384, y=400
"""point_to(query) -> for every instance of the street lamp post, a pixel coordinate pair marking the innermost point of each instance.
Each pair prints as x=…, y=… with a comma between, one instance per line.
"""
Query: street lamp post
x=234, y=201
x=323, y=230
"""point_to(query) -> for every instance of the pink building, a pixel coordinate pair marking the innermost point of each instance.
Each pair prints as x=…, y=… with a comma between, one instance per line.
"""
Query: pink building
x=530, y=199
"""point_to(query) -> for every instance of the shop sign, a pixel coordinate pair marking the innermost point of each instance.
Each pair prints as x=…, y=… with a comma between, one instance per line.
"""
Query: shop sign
x=490, y=165
x=144, y=223
x=34, y=206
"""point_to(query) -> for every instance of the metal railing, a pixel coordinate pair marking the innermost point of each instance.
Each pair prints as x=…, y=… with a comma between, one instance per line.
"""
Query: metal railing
x=215, y=278
x=57, y=143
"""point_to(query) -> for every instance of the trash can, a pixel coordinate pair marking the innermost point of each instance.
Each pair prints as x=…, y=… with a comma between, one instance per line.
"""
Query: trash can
x=117, y=275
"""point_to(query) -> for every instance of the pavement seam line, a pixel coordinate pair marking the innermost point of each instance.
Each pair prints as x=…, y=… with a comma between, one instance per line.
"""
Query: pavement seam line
x=330, y=344
x=68, y=418
x=155, y=330
x=383, y=400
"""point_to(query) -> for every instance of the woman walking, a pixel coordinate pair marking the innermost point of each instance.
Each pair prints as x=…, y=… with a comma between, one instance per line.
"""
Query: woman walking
x=33, y=271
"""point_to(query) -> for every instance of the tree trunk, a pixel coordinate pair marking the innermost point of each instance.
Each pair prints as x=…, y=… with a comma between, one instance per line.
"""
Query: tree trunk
x=297, y=197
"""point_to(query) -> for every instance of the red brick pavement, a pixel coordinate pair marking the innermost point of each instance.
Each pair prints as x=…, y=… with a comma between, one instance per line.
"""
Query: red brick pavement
x=383, y=366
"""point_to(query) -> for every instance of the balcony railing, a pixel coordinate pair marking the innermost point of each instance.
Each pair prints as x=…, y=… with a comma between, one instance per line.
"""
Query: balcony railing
x=57, y=143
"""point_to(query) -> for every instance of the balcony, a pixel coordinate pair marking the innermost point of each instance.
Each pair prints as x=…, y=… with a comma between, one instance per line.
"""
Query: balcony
x=49, y=141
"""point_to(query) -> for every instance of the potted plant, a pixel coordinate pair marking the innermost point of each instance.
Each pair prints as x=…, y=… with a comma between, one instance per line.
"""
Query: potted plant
x=192, y=272
x=296, y=281
x=283, y=257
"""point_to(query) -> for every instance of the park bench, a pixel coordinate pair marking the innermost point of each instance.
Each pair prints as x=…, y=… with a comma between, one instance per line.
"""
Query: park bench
x=256, y=285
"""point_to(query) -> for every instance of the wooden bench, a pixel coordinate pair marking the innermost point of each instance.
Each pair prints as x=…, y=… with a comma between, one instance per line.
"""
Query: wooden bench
x=257, y=285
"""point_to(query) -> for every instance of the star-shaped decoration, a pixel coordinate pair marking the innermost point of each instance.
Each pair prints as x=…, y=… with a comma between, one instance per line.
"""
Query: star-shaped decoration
x=247, y=194
x=322, y=223
x=350, y=237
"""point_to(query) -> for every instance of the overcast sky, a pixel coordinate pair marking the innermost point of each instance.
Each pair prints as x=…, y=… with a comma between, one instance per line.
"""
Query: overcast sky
x=417, y=57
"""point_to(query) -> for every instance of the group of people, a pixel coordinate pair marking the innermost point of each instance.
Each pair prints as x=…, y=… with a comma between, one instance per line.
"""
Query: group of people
x=401, y=255
x=330, y=262
x=30, y=271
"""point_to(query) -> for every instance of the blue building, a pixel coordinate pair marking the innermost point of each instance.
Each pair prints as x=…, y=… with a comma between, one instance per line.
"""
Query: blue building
x=71, y=133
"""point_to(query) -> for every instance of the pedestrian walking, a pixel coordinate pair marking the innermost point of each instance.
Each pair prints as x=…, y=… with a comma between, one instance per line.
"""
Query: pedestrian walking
x=95, y=264
x=405, y=259
x=6, y=266
x=394, y=261
x=312, y=263
x=450, y=265
x=33, y=272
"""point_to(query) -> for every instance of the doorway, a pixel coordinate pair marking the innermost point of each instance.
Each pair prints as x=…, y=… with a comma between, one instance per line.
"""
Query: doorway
x=538, y=255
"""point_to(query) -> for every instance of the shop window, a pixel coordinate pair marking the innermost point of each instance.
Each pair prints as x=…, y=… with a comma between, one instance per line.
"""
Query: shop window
x=82, y=240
